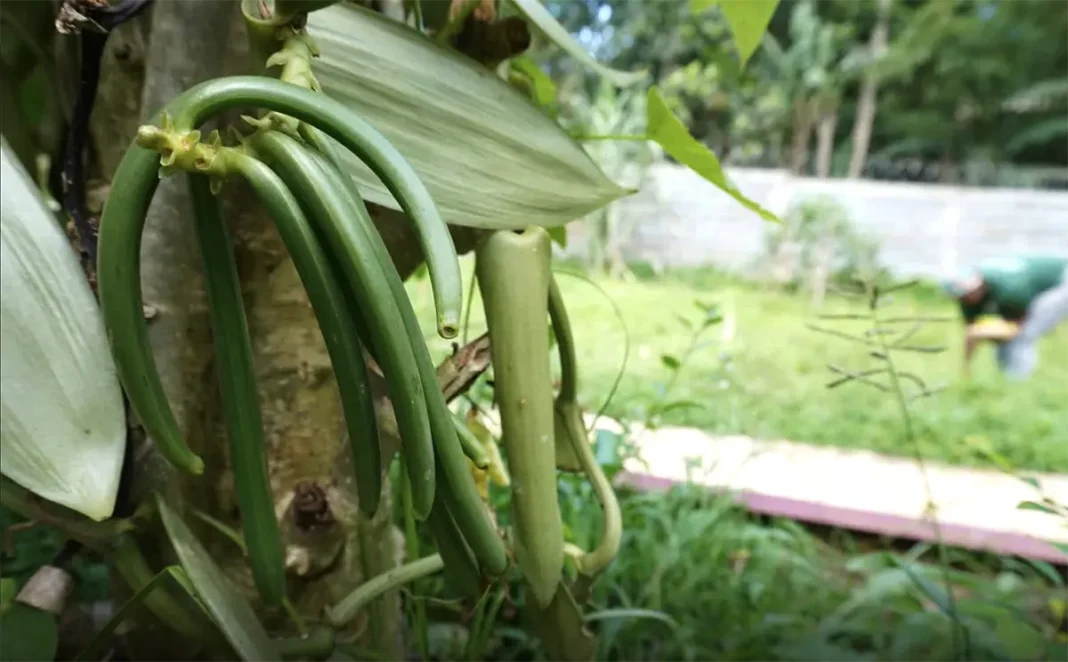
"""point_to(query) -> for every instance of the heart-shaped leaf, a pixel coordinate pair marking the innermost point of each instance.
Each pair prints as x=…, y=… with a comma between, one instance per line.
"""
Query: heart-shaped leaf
x=62, y=428
x=230, y=611
x=488, y=155
x=748, y=20
x=537, y=14
x=669, y=132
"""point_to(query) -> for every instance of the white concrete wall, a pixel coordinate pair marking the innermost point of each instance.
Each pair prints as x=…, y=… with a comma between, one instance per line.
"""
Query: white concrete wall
x=680, y=219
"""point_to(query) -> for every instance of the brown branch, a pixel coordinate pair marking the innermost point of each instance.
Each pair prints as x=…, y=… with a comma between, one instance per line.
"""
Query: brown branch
x=456, y=374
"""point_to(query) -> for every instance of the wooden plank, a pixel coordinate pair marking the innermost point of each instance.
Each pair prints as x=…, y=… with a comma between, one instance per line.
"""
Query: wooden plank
x=857, y=490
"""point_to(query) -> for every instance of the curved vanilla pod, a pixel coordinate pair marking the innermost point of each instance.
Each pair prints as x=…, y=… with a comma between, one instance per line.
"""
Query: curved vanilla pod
x=513, y=271
x=455, y=482
x=240, y=398
x=119, y=291
x=209, y=98
x=591, y=564
x=320, y=143
x=460, y=563
x=335, y=318
x=123, y=220
x=567, y=415
x=328, y=210
x=572, y=439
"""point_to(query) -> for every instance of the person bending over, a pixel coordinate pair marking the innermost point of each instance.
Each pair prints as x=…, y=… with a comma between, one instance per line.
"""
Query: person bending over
x=1030, y=293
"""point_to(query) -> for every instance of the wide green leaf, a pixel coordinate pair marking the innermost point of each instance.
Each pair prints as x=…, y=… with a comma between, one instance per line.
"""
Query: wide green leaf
x=543, y=21
x=488, y=155
x=62, y=426
x=668, y=131
x=218, y=594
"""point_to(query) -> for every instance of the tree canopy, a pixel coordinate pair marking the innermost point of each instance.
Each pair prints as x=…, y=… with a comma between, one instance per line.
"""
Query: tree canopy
x=967, y=89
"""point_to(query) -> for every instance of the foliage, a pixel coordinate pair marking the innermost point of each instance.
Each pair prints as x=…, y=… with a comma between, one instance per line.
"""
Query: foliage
x=61, y=384
x=526, y=165
x=611, y=112
x=776, y=590
x=818, y=239
x=499, y=135
x=956, y=74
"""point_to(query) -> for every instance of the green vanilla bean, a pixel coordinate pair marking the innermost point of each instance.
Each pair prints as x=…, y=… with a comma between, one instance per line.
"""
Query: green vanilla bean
x=119, y=290
x=565, y=343
x=335, y=318
x=321, y=144
x=591, y=564
x=125, y=212
x=460, y=562
x=329, y=212
x=240, y=398
x=567, y=414
x=207, y=99
x=456, y=484
x=513, y=271
x=573, y=450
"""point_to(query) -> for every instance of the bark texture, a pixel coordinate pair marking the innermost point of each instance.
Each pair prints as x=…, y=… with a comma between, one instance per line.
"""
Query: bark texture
x=330, y=547
x=825, y=141
x=866, y=104
x=801, y=129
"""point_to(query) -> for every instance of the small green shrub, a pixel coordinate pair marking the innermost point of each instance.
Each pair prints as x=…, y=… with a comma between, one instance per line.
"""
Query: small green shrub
x=818, y=243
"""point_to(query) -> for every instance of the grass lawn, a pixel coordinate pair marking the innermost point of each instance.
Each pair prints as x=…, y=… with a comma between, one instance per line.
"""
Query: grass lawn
x=763, y=372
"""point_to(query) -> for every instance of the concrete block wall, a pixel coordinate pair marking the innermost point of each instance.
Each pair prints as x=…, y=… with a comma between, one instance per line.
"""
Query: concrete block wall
x=679, y=219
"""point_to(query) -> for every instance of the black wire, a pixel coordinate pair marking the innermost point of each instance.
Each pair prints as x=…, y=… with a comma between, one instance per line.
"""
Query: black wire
x=72, y=178
x=66, y=553
x=74, y=194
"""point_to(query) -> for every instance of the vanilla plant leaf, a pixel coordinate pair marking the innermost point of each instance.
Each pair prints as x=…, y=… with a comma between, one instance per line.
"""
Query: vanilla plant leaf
x=546, y=23
x=62, y=424
x=488, y=155
x=217, y=592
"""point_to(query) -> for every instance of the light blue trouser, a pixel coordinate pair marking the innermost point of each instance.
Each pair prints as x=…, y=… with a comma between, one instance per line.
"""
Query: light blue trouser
x=1019, y=356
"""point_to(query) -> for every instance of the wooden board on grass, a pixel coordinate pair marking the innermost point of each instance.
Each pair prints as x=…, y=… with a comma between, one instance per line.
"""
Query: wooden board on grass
x=858, y=490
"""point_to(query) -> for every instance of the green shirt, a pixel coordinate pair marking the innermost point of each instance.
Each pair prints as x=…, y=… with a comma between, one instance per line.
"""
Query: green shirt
x=1013, y=283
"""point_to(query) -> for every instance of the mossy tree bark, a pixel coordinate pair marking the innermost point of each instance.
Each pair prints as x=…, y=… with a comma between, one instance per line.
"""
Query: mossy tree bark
x=331, y=549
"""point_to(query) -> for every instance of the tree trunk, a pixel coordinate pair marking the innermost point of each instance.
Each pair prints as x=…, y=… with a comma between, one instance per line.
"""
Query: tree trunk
x=866, y=104
x=148, y=62
x=800, y=137
x=825, y=141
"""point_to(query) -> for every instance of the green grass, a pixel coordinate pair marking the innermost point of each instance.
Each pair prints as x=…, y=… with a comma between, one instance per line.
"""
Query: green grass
x=763, y=373
x=742, y=589
x=697, y=578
